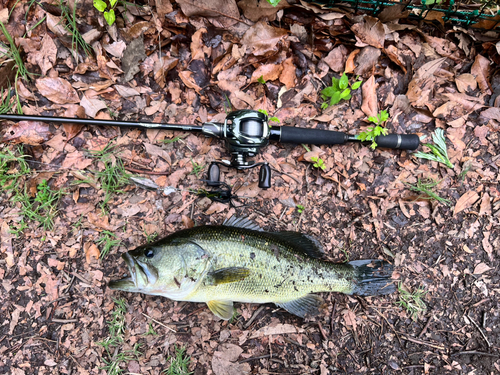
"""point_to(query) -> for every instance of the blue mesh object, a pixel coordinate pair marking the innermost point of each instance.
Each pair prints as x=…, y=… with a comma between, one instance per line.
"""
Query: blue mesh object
x=464, y=12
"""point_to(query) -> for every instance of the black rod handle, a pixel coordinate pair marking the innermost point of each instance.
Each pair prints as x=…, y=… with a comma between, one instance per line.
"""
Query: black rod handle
x=399, y=141
x=311, y=136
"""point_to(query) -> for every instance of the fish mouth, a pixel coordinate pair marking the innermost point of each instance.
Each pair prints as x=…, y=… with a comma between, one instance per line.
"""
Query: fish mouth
x=141, y=275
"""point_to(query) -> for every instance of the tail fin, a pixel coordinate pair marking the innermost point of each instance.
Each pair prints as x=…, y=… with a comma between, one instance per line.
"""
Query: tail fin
x=373, y=277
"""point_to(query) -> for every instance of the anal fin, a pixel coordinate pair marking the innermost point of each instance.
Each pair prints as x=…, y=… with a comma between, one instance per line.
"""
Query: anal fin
x=308, y=305
x=222, y=309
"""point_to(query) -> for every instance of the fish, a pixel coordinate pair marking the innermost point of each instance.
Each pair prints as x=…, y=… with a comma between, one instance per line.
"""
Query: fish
x=239, y=262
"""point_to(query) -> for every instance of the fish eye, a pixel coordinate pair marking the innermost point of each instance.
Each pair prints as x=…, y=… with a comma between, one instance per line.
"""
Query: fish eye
x=149, y=253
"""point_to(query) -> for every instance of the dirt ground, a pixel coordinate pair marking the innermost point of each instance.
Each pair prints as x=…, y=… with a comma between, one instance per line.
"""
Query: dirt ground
x=179, y=63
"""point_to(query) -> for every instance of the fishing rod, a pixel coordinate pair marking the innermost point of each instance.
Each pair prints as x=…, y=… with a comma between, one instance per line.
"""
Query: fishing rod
x=245, y=132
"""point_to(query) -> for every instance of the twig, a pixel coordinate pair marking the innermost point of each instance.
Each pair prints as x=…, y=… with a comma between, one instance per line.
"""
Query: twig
x=65, y=321
x=286, y=174
x=130, y=169
x=425, y=327
x=160, y=323
x=322, y=331
x=332, y=318
x=474, y=352
x=290, y=341
x=416, y=341
x=390, y=325
x=257, y=312
x=252, y=358
x=480, y=330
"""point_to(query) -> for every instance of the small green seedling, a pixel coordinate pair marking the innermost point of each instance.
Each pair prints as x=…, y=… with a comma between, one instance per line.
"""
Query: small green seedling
x=412, y=302
x=300, y=208
x=179, y=364
x=197, y=168
x=318, y=163
x=173, y=140
x=425, y=187
x=339, y=90
x=109, y=15
x=374, y=131
x=273, y=2
x=108, y=240
x=151, y=330
x=439, y=151
x=270, y=119
x=261, y=80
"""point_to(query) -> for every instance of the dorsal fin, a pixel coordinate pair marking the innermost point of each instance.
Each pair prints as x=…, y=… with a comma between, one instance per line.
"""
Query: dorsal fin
x=302, y=243
x=241, y=222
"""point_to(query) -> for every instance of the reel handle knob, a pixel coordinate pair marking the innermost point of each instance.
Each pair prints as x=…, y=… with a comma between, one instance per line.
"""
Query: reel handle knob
x=265, y=176
x=213, y=175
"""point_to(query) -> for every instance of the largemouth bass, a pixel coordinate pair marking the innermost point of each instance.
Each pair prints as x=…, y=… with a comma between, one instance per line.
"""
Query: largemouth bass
x=238, y=262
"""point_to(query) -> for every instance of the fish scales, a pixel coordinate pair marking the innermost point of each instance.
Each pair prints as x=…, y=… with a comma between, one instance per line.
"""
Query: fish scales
x=270, y=279
x=239, y=262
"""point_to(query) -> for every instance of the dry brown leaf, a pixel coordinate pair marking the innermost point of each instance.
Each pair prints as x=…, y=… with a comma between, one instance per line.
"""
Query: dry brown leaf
x=288, y=76
x=72, y=130
x=370, y=31
x=485, y=207
x=481, y=268
x=126, y=92
x=115, y=49
x=262, y=38
x=56, y=25
x=225, y=361
x=337, y=58
x=76, y=160
x=100, y=221
x=215, y=207
x=269, y=72
x=349, y=318
x=92, y=106
x=349, y=64
x=163, y=7
x=481, y=132
x=57, y=90
x=492, y=113
x=188, y=79
x=366, y=60
x=481, y=70
x=225, y=11
x=249, y=191
x=91, y=251
x=197, y=45
x=486, y=244
x=255, y=10
x=466, y=82
x=6, y=237
x=29, y=132
x=456, y=136
x=188, y=223
x=46, y=57
x=370, y=104
x=465, y=201
x=278, y=329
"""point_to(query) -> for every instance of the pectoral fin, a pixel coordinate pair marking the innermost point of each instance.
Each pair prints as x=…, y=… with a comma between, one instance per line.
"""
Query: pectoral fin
x=222, y=309
x=308, y=305
x=227, y=275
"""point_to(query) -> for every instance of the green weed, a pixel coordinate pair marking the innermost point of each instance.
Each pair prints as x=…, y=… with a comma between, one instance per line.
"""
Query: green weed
x=12, y=52
x=197, y=168
x=173, y=140
x=425, y=187
x=108, y=240
x=150, y=237
x=271, y=119
x=412, y=302
x=114, y=354
x=339, y=90
x=42, y=209
x=261, y=80
x=439, y=150
x=273, y=2
x=114, y=176
x=12, y=168
x=151, y=331
x=179, y=364
x=373, y=132
x=71, y=26
x=300, y=208
x=318, y=162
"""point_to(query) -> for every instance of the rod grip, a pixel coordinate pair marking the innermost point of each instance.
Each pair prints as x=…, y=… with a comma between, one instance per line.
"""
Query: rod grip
x=401, y=141
x=311, y=136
